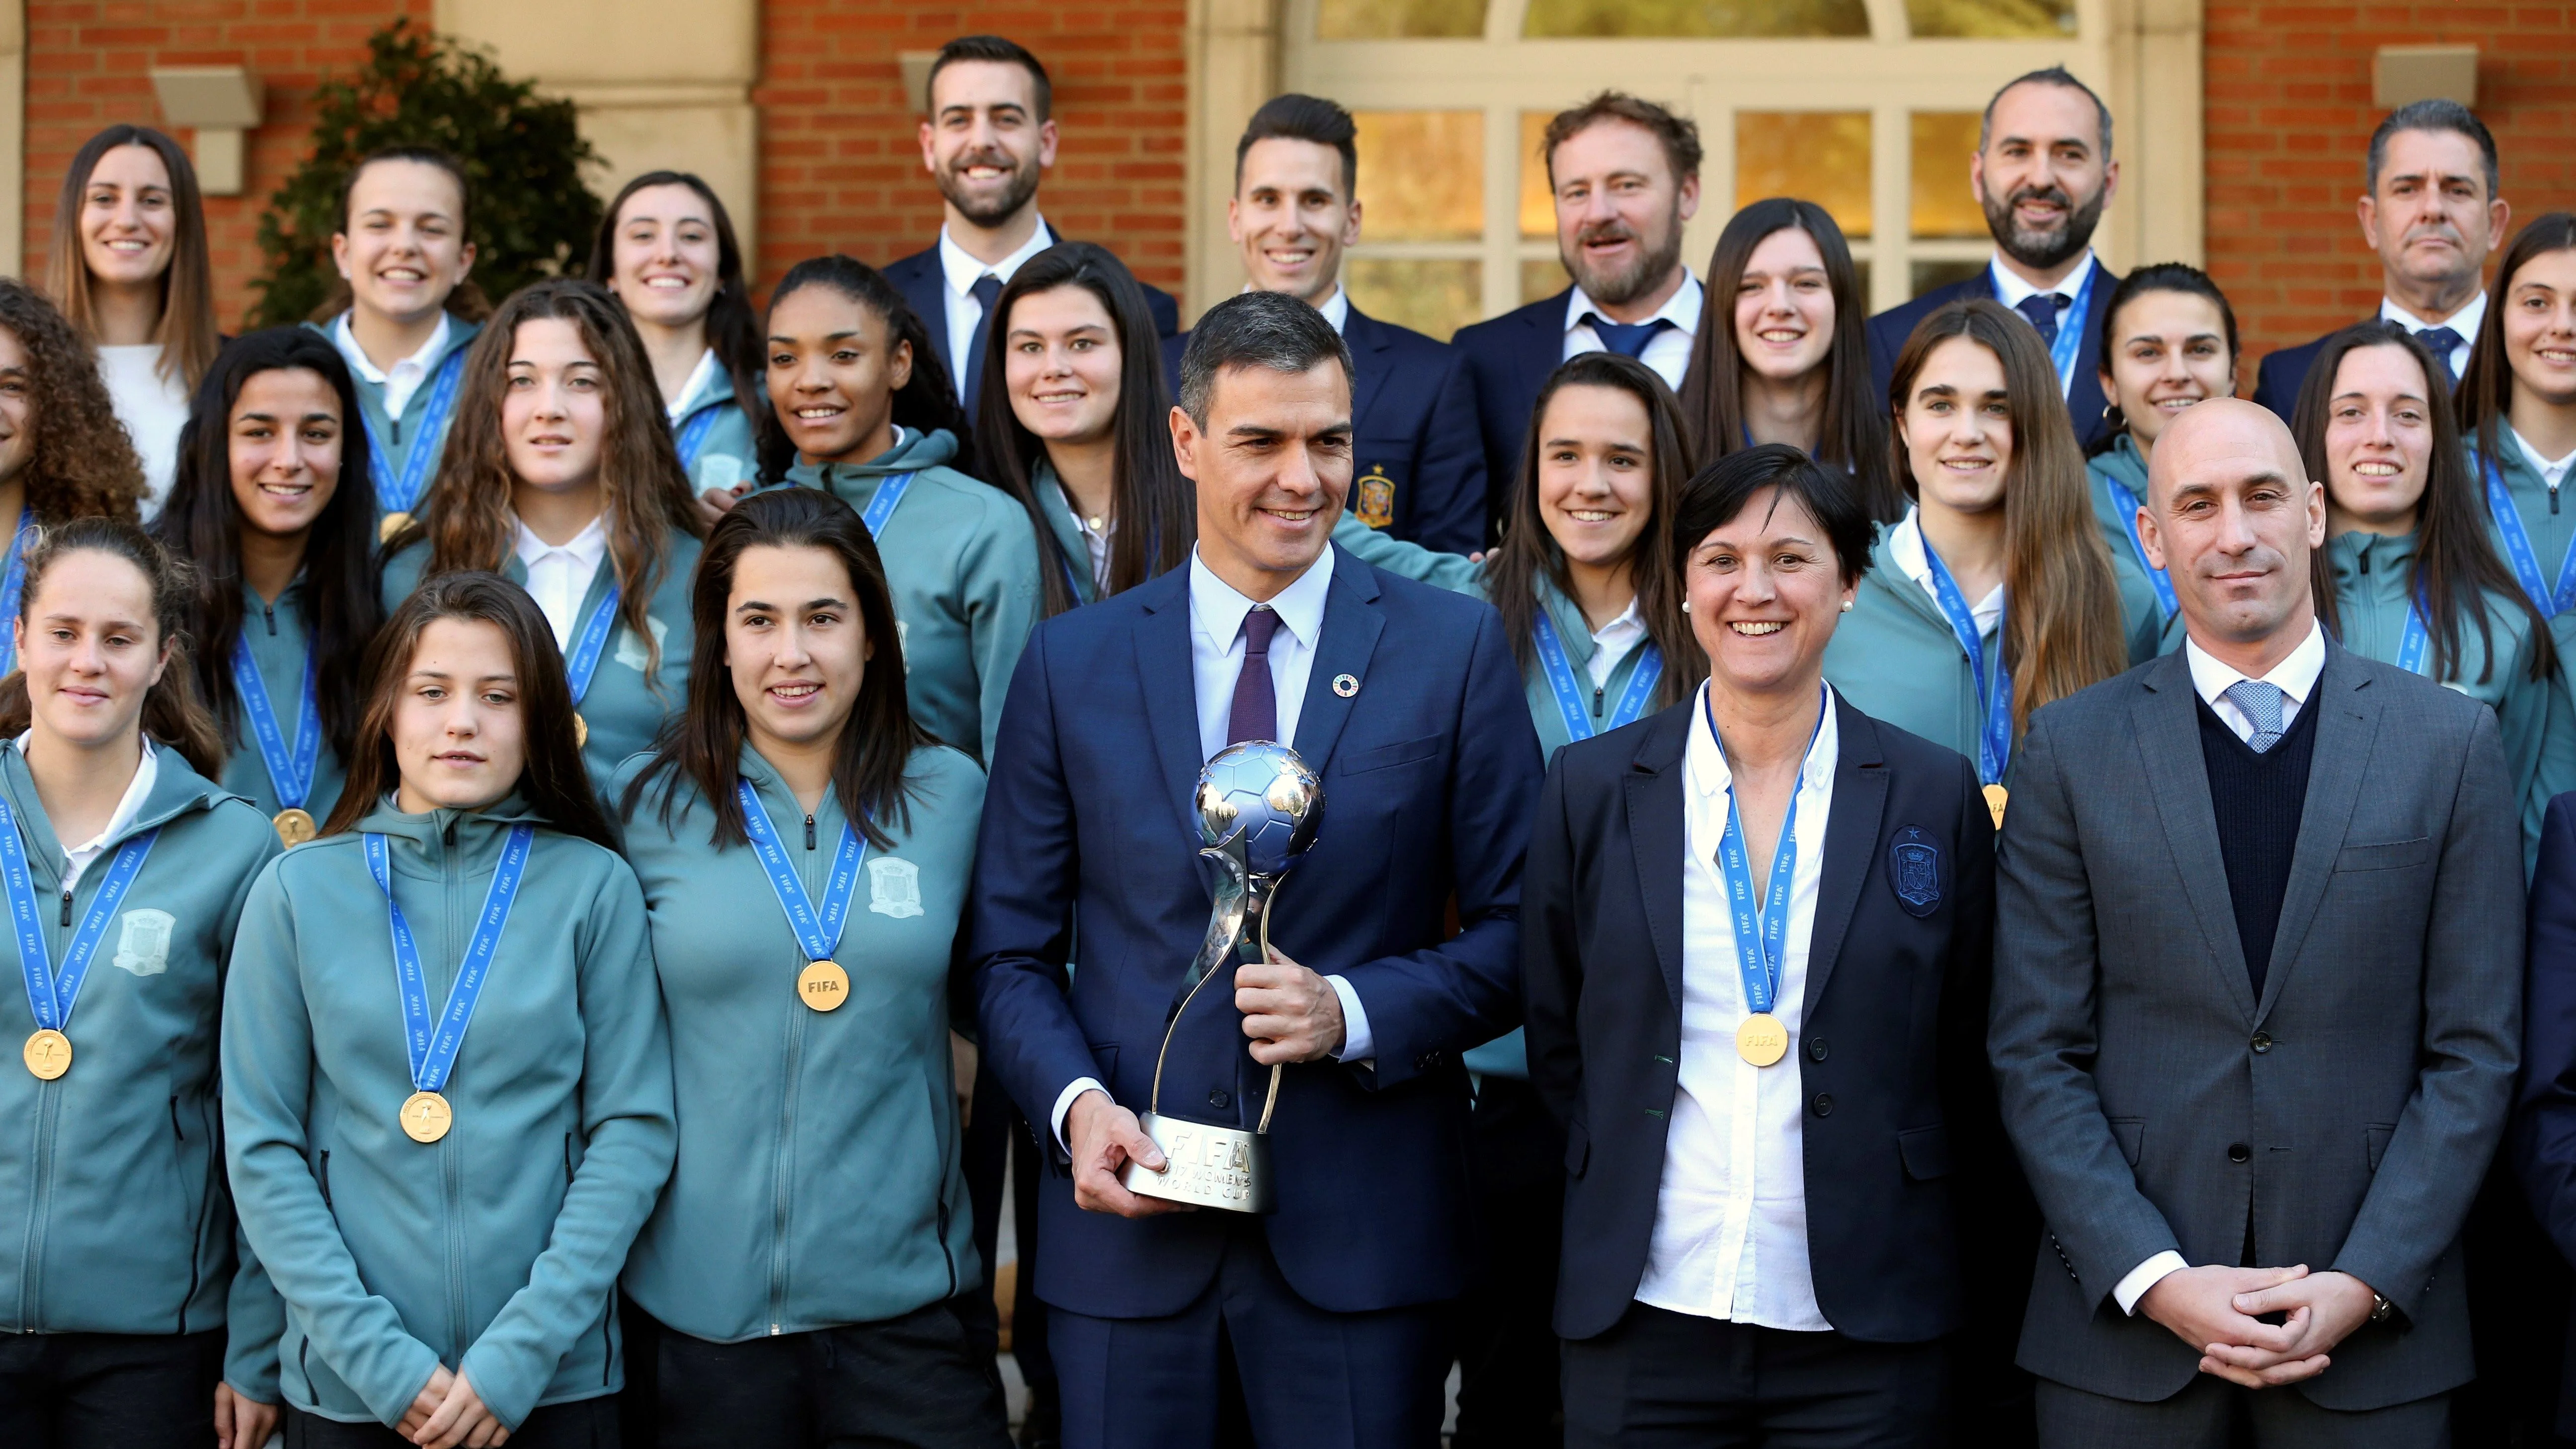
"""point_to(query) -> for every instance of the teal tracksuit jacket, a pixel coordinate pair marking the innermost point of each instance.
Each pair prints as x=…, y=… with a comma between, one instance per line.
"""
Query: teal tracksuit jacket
x=277, y=646
x=630, y=695
x=399, y=436
x=494, y=1250
x=113, y=1212
x=1894, y=657
x=1076, y=550
x=2143, y=617
x=819, y=1180
x=2548, y=518
x=2374, y=578
x=963, y=564
x=726, y=453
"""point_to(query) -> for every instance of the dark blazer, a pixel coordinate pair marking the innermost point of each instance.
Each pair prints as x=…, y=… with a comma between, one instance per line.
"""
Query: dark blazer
x=2084, y=403
x=1891, y=1051
x=2349, y=1112
x=1417, y=462
x=2544, y=1123
x=1508, y=359
x=925, y=288
x=1430, y=769
x=2283, y=373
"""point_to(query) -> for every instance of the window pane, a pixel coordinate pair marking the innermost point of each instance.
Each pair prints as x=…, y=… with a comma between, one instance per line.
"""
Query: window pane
x=1434, y=297
x=1927, y=275
x=1542, y=279
x=1818, y=156
x=1399, y=19
x=1991, y=19
x=1422, y=175
x=1695, y=17
x=1943, y=207
x=1538, y=207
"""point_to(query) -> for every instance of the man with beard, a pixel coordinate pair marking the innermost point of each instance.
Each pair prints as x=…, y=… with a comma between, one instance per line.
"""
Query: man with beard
x=2042, y=173
x=1625, y=176
x=989, y=134
x=2432, y=214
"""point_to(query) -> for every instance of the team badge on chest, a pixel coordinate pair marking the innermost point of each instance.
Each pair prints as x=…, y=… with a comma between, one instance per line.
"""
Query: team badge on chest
x=894, y=887
x=1376, y=497
x=1914, y=872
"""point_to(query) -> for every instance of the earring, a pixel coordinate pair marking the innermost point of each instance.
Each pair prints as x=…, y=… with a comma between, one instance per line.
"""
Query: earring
x=1847, y=606
x=1685, y=606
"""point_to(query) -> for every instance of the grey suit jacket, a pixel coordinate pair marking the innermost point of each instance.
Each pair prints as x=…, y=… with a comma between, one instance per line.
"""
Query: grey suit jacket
x=2364, y=1092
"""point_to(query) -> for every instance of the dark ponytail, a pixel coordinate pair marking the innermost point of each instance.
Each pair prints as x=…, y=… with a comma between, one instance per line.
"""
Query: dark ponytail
x=926, y=403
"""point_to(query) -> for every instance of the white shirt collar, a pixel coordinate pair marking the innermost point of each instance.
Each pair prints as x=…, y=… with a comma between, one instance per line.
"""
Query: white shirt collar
x=1336, y=308
x=1906, y=550
x=586, y=548
x=2296, y=675
x=2011, y=287
x=2464, y=322
x=699, y=377
x=962, y=269
x=1706, y=758
x=128, y=808
x=1681, y=308
x=2552, y=472
x=356, y=356
x=1217, y=610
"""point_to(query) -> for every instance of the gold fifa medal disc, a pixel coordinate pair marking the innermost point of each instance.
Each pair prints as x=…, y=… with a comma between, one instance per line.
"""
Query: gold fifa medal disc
x=580, y=732
x=426, y=1117
x=294, y=826
x=823, y=986
x=1995, y=802
x=1762, y=1040
x=392, y=525
x=48, y=1053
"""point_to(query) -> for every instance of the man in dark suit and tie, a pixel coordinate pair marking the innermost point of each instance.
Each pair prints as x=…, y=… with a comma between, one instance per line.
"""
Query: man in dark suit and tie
x=2042, y=173
x=988, y=134
x=2257, y=1000
x=1334, y=1311
x=2429, y=208
x=1625, y=177
x=1417, y=462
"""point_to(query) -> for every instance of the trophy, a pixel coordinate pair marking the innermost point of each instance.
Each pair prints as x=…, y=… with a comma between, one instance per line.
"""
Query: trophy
x=1259, y=806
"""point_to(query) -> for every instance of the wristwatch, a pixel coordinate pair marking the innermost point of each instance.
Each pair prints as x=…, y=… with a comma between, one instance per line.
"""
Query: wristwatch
x=2381, y=1310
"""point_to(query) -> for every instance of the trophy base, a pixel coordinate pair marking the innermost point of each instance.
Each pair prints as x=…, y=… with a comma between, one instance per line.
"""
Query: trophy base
x=1226, y=1168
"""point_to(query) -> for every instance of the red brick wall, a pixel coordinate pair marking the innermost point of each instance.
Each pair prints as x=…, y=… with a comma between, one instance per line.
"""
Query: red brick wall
x=841, y=165
x=89, y=64
x=2289, y=116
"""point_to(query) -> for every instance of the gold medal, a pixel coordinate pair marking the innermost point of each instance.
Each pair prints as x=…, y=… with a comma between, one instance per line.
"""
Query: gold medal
x=392, y=525
x=823, y=986
x=580, y=732
x=294, y=826
x=1995, y=802
x=1762, y=1040
x=426, y=1116
x=48, y=1054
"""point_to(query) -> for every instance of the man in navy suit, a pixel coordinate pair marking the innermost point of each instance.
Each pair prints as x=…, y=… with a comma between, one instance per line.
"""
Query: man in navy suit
x=1417, y=462
x=1334, y=1310
x=2430, y=209
x=989, y=134
x=2042, y=173
x=1625, y=177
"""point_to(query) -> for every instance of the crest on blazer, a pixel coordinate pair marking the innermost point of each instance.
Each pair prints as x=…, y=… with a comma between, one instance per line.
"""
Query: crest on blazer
x=1914, y=872
x=1376, y=506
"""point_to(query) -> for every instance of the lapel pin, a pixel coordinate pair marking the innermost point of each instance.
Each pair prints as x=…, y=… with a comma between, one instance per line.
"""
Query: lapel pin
x=1346, y=685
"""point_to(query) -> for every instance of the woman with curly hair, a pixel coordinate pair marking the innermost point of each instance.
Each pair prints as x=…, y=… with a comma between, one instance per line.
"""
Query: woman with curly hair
x=63, y=454
x=560, y=473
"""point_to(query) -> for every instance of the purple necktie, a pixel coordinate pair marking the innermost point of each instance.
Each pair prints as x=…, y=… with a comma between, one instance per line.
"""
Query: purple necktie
x=1256, y=700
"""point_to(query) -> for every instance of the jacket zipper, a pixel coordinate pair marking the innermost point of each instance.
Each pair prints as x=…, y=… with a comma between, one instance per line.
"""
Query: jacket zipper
x=67, y=907
x=782, y=1174
x=1596, y=699
x=449, y=1179
x=809, y=832
x=268, y=612
x=323, y=1176
x=197, y=1245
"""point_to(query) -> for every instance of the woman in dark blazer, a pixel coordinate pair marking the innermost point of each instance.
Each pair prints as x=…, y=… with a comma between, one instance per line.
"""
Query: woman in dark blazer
x=1767, y=1054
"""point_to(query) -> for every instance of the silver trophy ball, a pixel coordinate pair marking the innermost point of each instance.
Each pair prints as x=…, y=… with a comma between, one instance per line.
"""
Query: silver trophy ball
x=1266, y=792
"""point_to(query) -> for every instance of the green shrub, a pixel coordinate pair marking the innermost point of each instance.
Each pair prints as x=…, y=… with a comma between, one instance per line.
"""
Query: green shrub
x=532, y=215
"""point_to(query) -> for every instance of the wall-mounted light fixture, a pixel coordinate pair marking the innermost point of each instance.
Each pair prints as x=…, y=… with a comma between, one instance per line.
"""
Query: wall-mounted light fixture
x=219, y=102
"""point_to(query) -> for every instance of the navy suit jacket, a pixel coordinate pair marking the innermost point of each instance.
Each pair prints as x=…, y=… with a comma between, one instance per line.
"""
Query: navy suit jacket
x=2284, y=372
x=1889, y=329
x=1430, y=771
x=1415, y=453
x=2542, y=1141
x=924, y=286
x=1508, y=359
x=1891, y=1050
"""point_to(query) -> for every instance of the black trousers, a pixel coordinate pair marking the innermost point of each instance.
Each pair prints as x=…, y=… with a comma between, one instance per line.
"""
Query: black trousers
x=109, y=1390
x=911, y=1381
x=1507, y=1355
x=581, y=1424
x=1669, y=1379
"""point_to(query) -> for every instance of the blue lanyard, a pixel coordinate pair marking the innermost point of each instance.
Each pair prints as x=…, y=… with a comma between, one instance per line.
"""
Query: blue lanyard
x=2127, y=504
x=882, y=505
x=51, y=999
x=2517, y=546
x=405, y=495
x=693, y=433
x=1569, y=695
x=12, y=584
x=433, y=1050
x=1994, y=738
x=583, y=662
x=1762, y=922
x=290, y=771
x=2411, y=646
x=817, y=931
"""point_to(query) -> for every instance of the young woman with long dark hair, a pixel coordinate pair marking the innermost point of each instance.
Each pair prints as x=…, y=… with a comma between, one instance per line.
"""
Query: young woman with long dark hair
x=444, y=1209
x=562, y=475
x=2517, y=407
x=2168, y=341
x=63, y=455
x=666, y=250
x=864, y=412
x=275, y=506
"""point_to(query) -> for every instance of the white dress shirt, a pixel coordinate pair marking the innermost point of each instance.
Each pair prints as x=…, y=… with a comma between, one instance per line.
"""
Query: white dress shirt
x=2297, y=677
x=559, y=574
x=1611, y=643
x=1216, y=661
x=962, y=270
x=1668, y=354
x=2464, y=322
x=2011, y=289
x=1905, y=548
x=699, y=376
x=1336, y=308
x=2551, y=472
x=78, y=858
x=402, y=379
x=1730, y=1235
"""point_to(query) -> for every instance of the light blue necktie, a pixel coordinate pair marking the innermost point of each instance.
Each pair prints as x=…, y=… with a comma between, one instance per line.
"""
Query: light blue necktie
x=2261, y=703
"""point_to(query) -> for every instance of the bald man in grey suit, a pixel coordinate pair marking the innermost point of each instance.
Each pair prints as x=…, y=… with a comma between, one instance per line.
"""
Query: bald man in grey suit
x=2257, y=998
